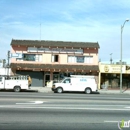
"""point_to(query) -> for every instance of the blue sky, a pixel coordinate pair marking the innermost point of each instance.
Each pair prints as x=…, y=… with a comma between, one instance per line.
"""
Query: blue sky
x=67, y=20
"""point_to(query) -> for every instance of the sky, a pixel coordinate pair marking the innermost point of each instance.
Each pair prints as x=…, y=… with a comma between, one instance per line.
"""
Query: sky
x=68, y=20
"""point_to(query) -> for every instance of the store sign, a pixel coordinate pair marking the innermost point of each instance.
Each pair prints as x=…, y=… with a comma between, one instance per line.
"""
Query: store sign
x=55, y=50
x=17, y=55
x=113, y=69
x=127, y=69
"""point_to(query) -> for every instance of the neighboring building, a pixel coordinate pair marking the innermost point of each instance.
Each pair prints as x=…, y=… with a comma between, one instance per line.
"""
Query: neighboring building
x=2, y=63
x=5, y=71
x=109, y=76
x=47, y=61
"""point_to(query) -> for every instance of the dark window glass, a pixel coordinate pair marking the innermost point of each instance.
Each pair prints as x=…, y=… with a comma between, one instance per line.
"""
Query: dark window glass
x=29, y=57
x=56, y=58
x=67, y=81
x=80, y=59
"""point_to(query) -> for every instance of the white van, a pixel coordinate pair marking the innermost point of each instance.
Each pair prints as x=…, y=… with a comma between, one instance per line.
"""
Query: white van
x=79, y=83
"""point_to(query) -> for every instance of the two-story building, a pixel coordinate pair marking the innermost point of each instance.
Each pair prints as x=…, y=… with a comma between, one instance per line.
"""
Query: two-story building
x=51, y=61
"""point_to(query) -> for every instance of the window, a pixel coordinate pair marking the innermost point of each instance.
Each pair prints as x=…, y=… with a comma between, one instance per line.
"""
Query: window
x=67, y=81
x=88, y=59
x=38, y=58
x=80, y=59
x=55, y=58
x=71, y=59
x=30, y=57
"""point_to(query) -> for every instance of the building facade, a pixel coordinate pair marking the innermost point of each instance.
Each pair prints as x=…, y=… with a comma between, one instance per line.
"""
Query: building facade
x=109, y=76
x=50, y=61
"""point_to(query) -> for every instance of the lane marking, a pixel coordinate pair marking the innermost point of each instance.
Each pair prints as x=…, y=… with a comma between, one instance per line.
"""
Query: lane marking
x=55, y=96
x=127, y=107
x=111, y=121
x=33, y=102
x=85, y=106
x=63, y=108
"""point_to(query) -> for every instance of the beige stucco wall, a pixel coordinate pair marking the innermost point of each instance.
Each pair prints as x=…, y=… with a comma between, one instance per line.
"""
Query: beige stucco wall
x=47, y=58
x=63, y=59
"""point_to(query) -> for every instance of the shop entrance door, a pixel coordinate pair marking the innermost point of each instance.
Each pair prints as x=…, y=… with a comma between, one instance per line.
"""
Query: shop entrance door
x=47, y=79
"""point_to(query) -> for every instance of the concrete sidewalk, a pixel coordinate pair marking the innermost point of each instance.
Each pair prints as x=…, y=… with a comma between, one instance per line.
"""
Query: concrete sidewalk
x=101, y=91
x=41, y=89
x=105, y=91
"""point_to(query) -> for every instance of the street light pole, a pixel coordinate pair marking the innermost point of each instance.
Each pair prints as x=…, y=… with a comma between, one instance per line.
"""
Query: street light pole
x=122, y=26
x=8, y=56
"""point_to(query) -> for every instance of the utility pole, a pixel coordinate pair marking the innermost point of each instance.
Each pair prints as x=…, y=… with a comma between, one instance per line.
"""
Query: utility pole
x=8, y=57
x=111, y=58
x=4, y=62
x=122, y=26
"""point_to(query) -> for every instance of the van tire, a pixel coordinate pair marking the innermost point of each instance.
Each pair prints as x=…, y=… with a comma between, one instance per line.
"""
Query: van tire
x=17, y=89
x=59, y=90
x=88, y=91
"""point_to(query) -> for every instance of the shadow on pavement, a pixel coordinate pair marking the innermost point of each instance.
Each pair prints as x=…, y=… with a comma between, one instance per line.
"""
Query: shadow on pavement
x=20, y=91
x=82, y=93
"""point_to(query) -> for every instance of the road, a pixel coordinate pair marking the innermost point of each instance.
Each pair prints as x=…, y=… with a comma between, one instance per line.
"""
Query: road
x=72, y=111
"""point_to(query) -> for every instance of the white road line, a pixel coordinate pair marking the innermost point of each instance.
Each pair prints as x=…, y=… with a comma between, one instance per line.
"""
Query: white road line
x=32, y=102
x=84, y=105
x=55, y=96
x=127, y=107
x=111, y=121
x=65, y=108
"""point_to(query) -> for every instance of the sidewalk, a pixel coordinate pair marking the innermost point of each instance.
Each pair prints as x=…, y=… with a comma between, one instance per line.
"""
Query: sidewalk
x=101, y=91
x=105, y=91
x=41, y=89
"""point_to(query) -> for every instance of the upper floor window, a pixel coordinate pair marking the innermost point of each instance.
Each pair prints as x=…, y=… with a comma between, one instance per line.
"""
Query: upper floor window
x=30, y=57
x=80, y=59
x=71, y=59
x=88, y=59
x=55, y=58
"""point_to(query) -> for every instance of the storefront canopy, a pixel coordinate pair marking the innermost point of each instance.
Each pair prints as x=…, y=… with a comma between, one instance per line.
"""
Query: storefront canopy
x=54, y=67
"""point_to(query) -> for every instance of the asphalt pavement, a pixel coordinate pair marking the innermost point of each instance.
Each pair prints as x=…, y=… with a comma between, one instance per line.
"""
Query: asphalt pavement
x=101, y=91
x=49, y=111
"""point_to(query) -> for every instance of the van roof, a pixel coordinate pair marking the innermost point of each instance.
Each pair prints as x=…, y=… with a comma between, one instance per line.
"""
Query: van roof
x=82, y=76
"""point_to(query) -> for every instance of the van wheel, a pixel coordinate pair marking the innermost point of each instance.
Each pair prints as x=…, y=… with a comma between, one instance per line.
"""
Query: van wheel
x=88, y=91
x=17, y=89
x=59, y=90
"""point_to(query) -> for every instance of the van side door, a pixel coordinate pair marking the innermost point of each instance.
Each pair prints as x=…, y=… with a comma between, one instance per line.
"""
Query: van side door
x=67, y=86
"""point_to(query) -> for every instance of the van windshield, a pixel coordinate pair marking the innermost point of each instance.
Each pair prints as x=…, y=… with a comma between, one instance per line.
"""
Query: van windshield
x=66, y=81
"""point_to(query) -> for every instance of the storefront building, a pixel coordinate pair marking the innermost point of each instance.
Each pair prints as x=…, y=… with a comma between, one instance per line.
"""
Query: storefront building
x=50, y=61
x=109, y=76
